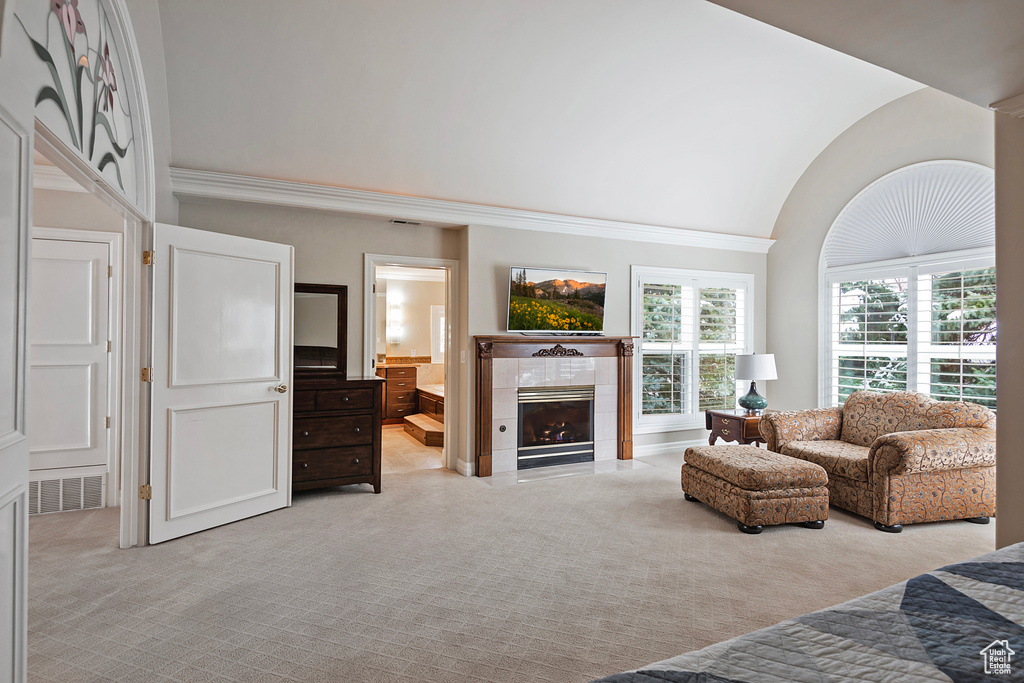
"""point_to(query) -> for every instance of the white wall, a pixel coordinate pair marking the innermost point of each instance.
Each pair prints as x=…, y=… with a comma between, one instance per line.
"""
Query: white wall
x=329, y=248
x=922, y=126
x=1010, y=279
x=414, y=298
x=492, y=251
x=73, y=210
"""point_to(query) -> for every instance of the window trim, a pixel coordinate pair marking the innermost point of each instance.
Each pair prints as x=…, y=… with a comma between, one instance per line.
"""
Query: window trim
x=910, y=267
x=437, y=315
x=656, y=424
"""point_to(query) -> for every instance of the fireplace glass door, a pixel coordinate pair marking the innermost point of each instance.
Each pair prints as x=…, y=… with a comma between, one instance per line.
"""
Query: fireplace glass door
x=556, y=426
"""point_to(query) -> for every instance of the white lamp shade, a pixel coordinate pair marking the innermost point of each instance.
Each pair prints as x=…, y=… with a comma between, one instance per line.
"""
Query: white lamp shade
x=755, y=366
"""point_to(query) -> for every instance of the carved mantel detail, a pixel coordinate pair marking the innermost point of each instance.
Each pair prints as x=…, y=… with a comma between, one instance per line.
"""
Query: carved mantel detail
x=626, y=347
x=558, y=351
x=485, y=349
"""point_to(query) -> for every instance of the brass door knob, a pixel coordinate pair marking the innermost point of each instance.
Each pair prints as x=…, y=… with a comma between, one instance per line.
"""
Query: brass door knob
x=281, y=388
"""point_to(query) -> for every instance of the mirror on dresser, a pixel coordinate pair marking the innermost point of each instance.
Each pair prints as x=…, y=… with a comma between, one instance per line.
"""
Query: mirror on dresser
x=321, y=321
x=336, y=436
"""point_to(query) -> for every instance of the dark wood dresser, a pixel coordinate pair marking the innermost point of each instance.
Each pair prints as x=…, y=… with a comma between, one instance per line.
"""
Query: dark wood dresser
x=336, y=433
x=399, y=392
x=336, y=423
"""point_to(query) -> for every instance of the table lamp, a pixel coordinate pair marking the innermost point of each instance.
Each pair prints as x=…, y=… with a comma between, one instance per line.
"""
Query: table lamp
x=755, y=366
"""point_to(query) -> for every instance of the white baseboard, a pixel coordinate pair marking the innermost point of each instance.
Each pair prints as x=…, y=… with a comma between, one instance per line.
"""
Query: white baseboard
x=669, y=447
x=464, y=468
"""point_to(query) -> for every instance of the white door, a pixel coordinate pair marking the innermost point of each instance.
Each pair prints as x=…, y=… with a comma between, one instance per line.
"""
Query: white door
x=69, y=329
x=222, y=366
x=15, y=215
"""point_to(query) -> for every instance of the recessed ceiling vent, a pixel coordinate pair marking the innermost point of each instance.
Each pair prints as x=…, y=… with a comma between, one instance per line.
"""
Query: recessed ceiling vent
x=402, y=221
x=927, y=208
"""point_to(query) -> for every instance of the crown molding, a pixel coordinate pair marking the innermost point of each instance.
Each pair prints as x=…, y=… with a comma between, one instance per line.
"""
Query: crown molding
x=52, y=178
x=1014, y=106
x=227, y=186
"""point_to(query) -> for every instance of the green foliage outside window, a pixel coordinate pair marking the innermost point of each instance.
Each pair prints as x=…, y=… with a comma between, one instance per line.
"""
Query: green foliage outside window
x=963, y=314
x=718, y=328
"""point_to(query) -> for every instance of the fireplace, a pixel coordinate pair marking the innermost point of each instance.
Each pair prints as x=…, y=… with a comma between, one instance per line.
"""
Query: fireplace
x=556, y=426
x=507, y=364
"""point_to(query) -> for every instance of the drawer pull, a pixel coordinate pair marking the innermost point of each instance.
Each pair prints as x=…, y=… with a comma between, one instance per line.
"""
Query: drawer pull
x=355, y=429
x=305, y=465
x=305, y=433
x=355, y=461
x=725, y=431
x=344, y=399
x=725, y=422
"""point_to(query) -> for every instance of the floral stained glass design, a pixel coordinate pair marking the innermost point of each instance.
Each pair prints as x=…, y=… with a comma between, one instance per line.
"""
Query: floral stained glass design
x=79, y=97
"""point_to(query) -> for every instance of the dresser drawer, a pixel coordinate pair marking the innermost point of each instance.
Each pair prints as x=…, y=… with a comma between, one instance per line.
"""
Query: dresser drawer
x=325, y=432
x=304, y=401
x=344, y=399
x=398, y=373
x=401, y=385
x=731, y=428
x=401, y=397
x=400, y=410
x=332, y=463
x=735, y=428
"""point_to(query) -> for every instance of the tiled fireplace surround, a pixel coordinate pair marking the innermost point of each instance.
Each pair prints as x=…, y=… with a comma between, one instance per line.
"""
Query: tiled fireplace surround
x=504, y=364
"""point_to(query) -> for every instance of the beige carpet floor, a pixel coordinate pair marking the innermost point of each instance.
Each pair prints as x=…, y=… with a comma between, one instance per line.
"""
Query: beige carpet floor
x=444, y=578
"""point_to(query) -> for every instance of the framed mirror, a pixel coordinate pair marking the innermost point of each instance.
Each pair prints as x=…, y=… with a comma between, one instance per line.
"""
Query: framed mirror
x=321, y=322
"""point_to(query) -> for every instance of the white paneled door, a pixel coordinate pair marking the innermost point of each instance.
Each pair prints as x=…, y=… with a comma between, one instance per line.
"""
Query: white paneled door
x=68, y=374
x=222, y=366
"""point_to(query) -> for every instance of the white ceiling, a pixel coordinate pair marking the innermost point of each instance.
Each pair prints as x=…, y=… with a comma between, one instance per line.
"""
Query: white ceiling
x=973, y=49
x=665, y=112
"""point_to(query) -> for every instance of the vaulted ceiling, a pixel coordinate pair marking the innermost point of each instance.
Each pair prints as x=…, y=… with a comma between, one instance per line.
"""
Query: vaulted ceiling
x=666, y=112
x=973, y=49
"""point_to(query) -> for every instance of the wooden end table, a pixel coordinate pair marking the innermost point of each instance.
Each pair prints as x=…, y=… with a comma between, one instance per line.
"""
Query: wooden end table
x=733, y=425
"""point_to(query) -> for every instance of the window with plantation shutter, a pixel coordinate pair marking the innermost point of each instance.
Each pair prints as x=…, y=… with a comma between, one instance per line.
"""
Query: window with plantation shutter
x=869, y=336
x=957, y=345
x=908, y=286
x=691, y=325
x=927, y=325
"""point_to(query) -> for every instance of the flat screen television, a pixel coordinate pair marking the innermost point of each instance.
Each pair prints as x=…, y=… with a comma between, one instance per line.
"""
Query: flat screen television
x=551, y=301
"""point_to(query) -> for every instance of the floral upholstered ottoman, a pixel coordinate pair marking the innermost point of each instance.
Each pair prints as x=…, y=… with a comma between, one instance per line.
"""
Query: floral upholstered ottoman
x=756, y=487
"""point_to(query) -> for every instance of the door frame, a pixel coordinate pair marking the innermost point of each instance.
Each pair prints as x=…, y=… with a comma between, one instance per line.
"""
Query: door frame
x=114, y=408
x=132, y=420
x=451, y=361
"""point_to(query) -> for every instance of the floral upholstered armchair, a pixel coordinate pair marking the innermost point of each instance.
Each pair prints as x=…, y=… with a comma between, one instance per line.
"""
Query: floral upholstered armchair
x=897, y=458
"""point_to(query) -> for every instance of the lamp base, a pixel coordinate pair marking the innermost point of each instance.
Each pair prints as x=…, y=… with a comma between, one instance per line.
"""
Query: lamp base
x=753, y=402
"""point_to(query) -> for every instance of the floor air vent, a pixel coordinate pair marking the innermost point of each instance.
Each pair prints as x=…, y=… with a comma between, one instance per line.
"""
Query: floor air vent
x=61, y=495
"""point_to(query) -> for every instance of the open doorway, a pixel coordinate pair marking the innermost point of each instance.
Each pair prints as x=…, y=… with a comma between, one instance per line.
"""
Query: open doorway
x=75, y=301
x=409, y=353
x=76, y=344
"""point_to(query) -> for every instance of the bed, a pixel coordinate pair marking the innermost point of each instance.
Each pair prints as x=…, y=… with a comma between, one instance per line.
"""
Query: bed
x=963, y=622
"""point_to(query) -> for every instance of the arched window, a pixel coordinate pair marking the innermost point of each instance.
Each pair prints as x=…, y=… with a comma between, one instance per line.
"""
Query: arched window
x=908, y=287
